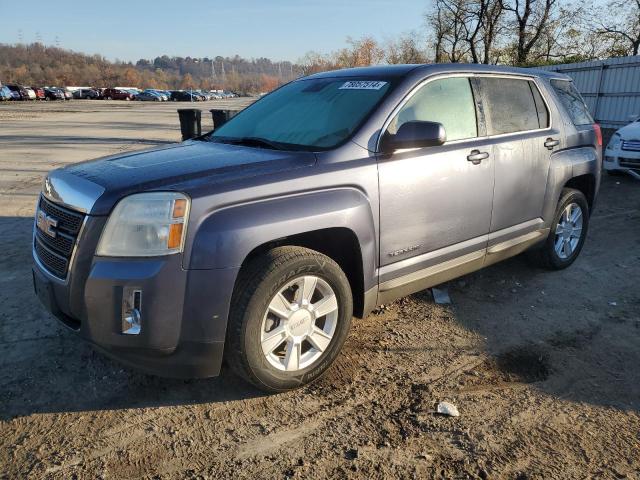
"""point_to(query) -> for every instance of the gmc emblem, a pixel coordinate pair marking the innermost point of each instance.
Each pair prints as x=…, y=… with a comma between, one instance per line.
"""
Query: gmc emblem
x=46, y=224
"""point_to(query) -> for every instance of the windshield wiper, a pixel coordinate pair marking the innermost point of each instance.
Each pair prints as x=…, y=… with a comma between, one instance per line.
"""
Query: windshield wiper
x=251, y=142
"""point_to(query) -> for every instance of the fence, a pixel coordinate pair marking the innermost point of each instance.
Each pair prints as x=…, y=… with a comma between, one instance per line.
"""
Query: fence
x=610, y=87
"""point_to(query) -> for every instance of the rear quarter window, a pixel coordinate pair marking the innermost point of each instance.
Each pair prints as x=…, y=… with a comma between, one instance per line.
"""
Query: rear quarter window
x=572, y=102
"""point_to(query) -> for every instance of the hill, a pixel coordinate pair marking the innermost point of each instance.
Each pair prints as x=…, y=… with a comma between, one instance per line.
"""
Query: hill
x=37, y=64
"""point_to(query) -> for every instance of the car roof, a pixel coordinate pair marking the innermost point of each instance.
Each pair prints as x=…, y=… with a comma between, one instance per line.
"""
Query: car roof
x=435, y=68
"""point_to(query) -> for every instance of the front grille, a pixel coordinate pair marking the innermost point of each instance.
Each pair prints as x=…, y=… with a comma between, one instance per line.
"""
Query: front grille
x=631, y=145
x=54, y=252
x=632, y=163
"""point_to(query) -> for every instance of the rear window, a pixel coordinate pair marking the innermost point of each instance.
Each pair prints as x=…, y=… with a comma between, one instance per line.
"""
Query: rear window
x=511, y=106
x=572, y=102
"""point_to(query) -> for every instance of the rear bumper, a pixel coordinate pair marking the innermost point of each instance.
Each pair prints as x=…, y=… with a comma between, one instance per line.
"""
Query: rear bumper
x=183, y=313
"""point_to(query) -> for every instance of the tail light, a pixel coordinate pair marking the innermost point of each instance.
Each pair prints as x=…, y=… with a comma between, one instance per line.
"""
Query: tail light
x=598, y=132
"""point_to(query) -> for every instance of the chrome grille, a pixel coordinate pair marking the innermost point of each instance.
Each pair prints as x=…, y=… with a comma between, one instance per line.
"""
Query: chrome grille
x=54, y=251
x=631, y=145
x=632, y=163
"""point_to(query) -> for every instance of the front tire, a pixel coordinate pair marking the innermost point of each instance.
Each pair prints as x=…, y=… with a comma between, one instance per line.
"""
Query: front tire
x=290, y=315
x=568, y=232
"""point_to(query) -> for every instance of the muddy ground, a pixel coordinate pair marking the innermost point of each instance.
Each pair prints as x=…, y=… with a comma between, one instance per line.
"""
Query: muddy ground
x=544, y=367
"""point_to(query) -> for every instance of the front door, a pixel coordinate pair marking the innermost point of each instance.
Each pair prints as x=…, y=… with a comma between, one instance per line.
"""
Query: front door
x=435, y=202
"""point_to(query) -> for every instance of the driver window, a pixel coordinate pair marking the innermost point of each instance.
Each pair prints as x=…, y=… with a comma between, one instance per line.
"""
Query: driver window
x=448, y=101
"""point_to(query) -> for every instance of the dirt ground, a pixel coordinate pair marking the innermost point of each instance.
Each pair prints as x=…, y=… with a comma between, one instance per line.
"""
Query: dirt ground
x=542, y=366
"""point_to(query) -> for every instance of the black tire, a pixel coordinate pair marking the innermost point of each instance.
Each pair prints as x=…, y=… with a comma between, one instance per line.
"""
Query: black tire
x=546, y=256
x=258, y=282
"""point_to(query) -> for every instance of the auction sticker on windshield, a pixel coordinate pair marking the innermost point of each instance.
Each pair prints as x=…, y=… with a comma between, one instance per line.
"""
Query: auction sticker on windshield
x=363, y=85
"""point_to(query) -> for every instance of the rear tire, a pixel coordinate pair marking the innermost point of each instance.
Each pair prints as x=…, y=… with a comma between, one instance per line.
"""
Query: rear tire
x=568, y=232
x=290, y=315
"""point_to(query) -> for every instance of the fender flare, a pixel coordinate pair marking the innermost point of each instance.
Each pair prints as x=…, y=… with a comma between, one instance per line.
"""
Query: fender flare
x=225, y=237
x=565, y=165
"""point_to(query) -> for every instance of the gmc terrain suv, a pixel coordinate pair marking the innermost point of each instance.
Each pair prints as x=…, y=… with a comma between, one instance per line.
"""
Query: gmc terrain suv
x=340, y=191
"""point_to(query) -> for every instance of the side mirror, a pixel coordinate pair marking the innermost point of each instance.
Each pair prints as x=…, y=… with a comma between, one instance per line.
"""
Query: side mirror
x=415, y=134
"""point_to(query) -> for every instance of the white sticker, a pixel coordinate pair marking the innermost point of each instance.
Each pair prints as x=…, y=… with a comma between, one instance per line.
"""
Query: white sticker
x=363, y=85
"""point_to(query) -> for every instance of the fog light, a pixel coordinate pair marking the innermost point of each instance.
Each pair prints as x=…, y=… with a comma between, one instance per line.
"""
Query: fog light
x=131, y=311
x=609, y=159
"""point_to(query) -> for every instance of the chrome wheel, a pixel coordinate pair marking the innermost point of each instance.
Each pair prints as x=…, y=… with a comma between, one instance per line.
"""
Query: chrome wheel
x=299, y=323
x=568, y=231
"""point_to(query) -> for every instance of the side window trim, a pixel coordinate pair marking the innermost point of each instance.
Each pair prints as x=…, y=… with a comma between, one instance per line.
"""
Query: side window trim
x=478, y=100
x=533, y=85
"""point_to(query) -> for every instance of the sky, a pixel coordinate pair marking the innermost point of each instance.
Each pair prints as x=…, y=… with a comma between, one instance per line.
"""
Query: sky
x=276, y=29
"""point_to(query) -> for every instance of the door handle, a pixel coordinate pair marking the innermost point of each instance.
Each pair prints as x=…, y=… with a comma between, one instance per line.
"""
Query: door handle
x=476, y=156
x=551, y=142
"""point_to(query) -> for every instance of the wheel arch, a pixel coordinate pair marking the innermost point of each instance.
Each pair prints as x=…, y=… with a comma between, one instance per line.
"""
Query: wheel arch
x=572, y=168
x=338, y=223
x=586, y=184
x=338, y=243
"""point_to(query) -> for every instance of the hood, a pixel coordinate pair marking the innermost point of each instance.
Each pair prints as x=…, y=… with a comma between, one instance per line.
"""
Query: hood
x=631, y=131
x=179, y=165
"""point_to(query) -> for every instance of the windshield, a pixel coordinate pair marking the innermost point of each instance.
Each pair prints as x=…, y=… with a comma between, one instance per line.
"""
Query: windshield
x=316, y=114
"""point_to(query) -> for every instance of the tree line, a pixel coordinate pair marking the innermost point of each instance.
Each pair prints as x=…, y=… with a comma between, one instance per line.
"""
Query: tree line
x=509, y=32
x=39, y=65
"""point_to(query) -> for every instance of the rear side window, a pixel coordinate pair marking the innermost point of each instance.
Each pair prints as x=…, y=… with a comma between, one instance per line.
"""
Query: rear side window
x=572, y=102
x=448, y=101
x=511, y=105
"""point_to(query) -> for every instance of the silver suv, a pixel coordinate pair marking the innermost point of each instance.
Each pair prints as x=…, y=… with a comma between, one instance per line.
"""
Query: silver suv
x=340, y=191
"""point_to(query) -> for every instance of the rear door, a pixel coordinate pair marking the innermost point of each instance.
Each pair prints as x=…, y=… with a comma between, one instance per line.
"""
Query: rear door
x=518, y=121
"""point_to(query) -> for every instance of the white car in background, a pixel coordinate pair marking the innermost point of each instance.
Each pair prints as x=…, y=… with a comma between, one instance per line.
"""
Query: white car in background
x=623, y=151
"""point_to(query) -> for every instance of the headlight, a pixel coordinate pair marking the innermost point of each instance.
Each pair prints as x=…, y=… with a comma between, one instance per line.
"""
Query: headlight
x=614, y=144
x=146, y=225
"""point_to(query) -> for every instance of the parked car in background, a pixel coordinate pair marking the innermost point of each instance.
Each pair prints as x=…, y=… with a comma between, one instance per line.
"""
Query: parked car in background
x=30, y=93
x=182, y=96
x=53, y=93
x=67, y=94
x=622, y=154
x=159, y=93
x=336, y=193
x=117, y=94
x=86, y=93
x=39, y=92
x=5, y=94
x=20, y=90
x=148, y=97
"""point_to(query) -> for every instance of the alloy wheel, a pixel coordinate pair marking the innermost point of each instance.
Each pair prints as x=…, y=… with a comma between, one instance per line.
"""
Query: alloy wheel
x=568, y=231
x=299, y=323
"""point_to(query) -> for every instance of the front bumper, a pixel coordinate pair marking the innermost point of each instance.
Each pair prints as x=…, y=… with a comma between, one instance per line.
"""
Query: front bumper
x=183, y=312
x=622, y=160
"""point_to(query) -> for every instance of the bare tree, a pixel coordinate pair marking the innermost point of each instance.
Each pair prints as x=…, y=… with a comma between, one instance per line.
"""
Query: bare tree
x=450, y=30
x=465, y=30
x=531, y=18
x=491, y=26
x=405, y=49
x=623, y=24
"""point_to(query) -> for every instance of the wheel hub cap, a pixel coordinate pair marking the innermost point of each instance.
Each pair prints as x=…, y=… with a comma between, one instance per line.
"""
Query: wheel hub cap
x=299, y=323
